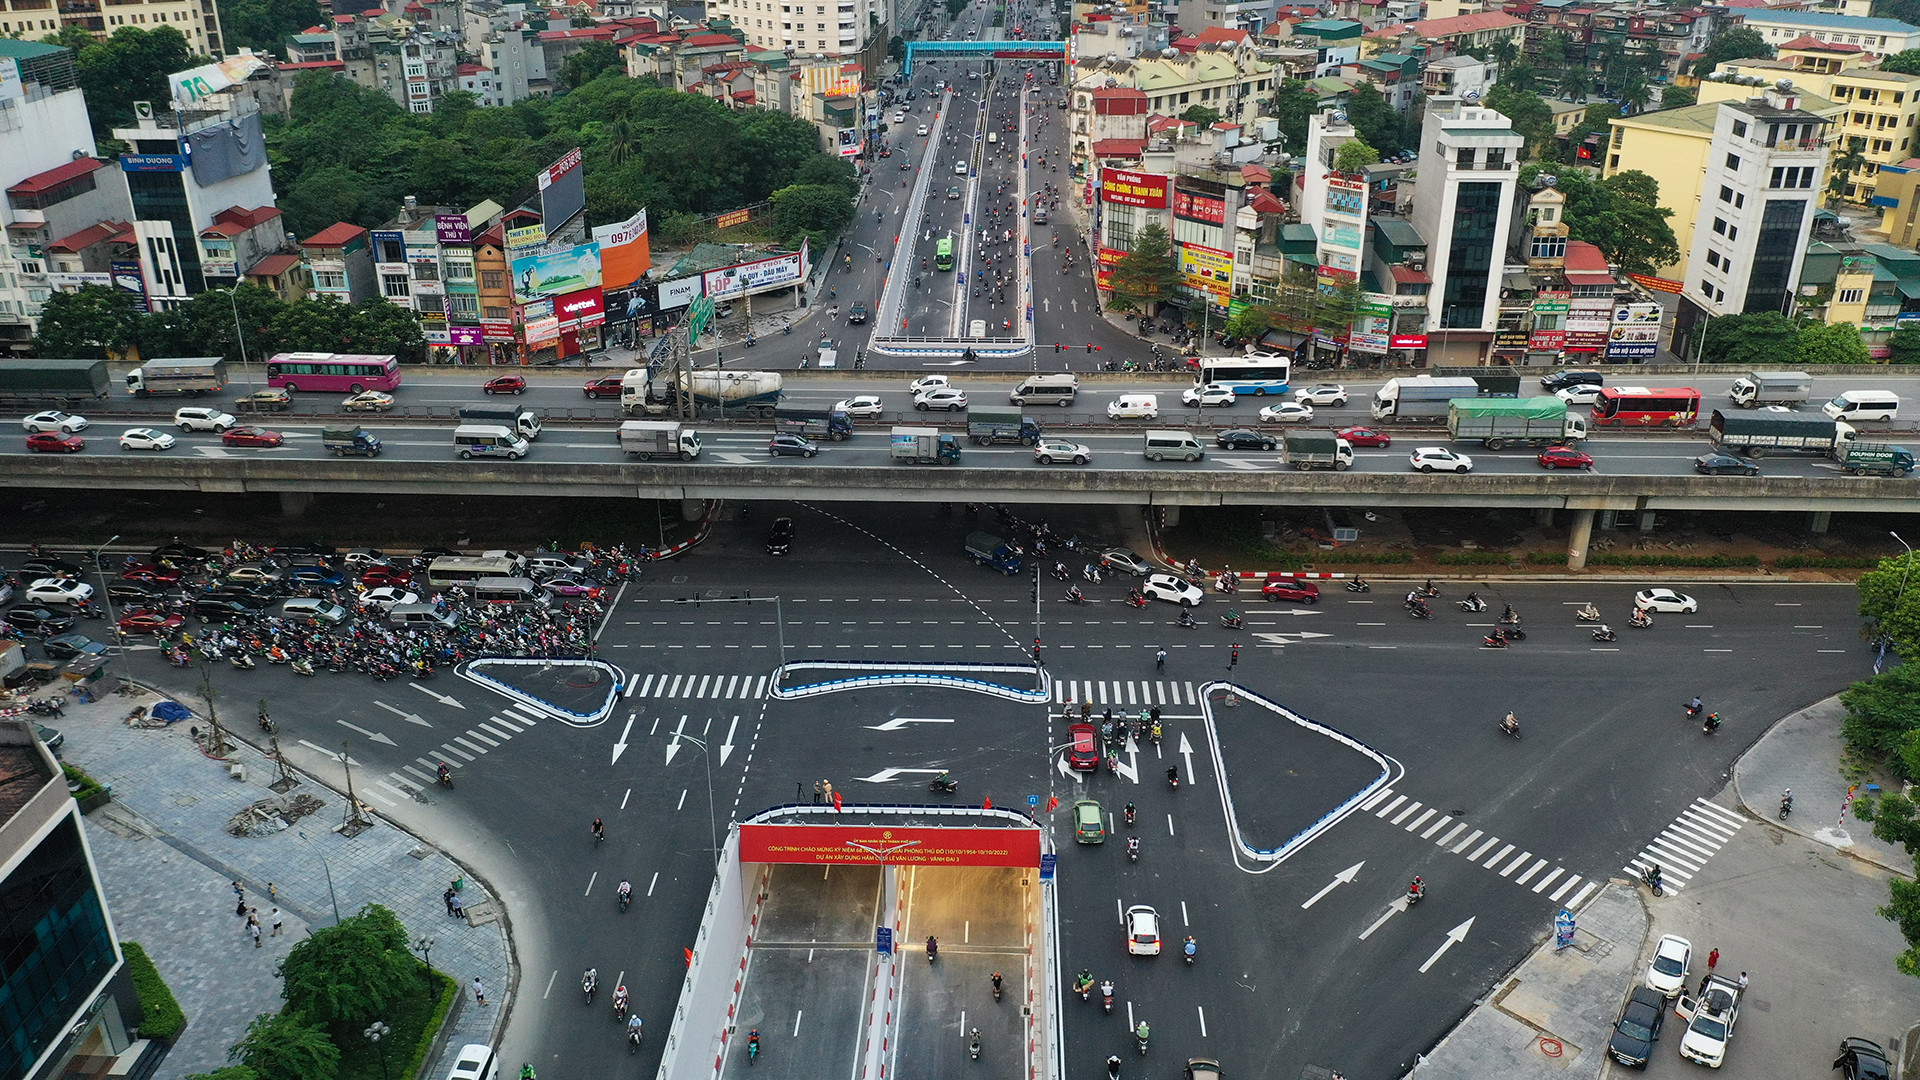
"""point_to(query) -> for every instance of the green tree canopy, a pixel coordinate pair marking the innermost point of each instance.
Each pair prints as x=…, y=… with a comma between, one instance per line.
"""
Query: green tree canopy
x=1528, y=111
x=346, y=974
x=594, y=60
x=265, y=25
x=1739, y=43
x=1764, y=341
x=286, y=1044
x=93, y=321
x=1293, y=102
x=1202, y=115
x=1903, y=63
x=1249, y=322
x=1354, y=155
x=1145, y=275
x=1831, y=343
x=1621, y=215
x=1374, y=120
x=1904, y=345
x=1678, y=97
x=819, y=211
x=131, y=65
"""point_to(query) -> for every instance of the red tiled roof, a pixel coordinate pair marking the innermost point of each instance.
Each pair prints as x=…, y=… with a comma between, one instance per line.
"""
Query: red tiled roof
x=1266, y=202
x=339, y=19
x=1585, y=257
x=89, y=236
x=1471, y=23
x=336, y=235
x=1107, y=148
x=1407, y=275
x=1186, y=44
x=701, y=41
x=473, y=69
x=1165, y=123
x=1223, y=36
x=1256, y=174
x=1809, y=43
x=313, y=65
x=744, y=97
x=582, y=33
x=245, y=218
x=273, y=266
x=57, y=176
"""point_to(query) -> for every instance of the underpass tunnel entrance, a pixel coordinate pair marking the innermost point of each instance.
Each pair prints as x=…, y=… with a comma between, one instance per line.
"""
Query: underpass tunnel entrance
x=816, y=937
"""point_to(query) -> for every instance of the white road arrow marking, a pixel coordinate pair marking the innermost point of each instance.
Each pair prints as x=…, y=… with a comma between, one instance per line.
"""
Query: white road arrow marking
x=674, y=746
x=1282, y=639
x=1243, y=463
x=736, y=459
x=1186, y=752
x=1344, y=877
x=441, y=698
x=374, y=735
x=899, y=722
x=1393, y=909
x=1454, y=937
x=620, y=745
x=328, y=751
x=726, y=746
x=888, y=775
x=1293, y=611
x=411, y=718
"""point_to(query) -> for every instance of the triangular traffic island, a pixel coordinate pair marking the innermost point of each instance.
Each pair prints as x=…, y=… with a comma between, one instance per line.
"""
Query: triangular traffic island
x=573, y=691
x=810, y=678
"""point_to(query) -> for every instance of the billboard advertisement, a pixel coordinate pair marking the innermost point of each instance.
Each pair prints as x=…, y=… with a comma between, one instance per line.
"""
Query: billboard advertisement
x=496, y=329
x=583, y=308
x=731, y=281
x=1205, y=270
x=1588, y=320
x=639, y=300
x=452, y=229
x=190, y=86
x=128, y=279
x=539, y=272
x=1109, y=258
x=624, y=254
x=1129, y=188
x=678, y=293
x=897, y=845
x=563, y=191
x=466, y=335
x=731, y=218
x=1198, y=206
x=526, y=236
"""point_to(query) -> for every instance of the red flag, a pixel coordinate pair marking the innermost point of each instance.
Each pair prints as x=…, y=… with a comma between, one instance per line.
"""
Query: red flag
x=836, y=801
x=1053, y=803
x=689, y=953
x=987, y=804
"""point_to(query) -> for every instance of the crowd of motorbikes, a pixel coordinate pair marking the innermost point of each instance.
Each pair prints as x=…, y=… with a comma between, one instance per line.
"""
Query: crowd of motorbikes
x=1507, y=629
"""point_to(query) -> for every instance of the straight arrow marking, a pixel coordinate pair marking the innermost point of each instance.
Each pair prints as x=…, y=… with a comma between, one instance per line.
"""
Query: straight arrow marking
x=899, y=722
x=726, y=747
x=374, y=735
x=673, y=747
x=411, y=718
x=886, y=775
x=1454, y=937
x=1393, y=909
x=1344, y=877
x=441, y=698
x=620, y=745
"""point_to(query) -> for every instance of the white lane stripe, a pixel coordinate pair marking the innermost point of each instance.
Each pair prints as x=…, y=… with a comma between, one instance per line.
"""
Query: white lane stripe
x=1458, y=828
x=476, y=748
x=1504, y=852
x=1531, y=870
x=1442, y=823
x=1422, y=819
x=1463, y=844
x=645, y=685
x=1541, y=885
x=482, y=738
x=1374, y=799
x=1389, y=808
x=505, y=723
x=1564, y=886
x=1519, y=861
x=457, y=752
x=1402, y=815
x=1482, y=849
x=1581, y=895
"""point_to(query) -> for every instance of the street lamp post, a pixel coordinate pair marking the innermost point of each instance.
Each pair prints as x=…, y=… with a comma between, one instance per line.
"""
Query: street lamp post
x=100, y=572
x=425, y=945
x=375, y=1033
x=713, y=828
x=1906, y=568
x=328, y=869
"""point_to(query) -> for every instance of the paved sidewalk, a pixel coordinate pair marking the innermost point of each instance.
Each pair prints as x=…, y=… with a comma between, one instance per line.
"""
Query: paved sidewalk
x=1802, y=752
x=168, y=863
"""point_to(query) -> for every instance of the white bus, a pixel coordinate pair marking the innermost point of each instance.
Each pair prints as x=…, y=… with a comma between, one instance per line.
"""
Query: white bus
x=1256, y=375
x=464, y=570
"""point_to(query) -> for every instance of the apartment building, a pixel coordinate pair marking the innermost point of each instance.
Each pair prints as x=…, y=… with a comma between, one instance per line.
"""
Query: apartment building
x=1881, y=37
x=197, y=20
x=830, y=28
x=1231, y=82
x=339, y=259
x=1463, y=206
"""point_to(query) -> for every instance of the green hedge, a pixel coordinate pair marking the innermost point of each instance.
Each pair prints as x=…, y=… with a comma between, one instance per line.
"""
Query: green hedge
x=161, y=1018
x=88, y=786
x=447, y=991
x=1641, y=558
x=1473, y=558
x=1826, y=562
x=1338, y=557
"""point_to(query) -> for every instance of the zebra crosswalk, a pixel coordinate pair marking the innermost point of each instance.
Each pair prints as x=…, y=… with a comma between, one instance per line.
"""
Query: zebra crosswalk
x=1683, y=847
x=1490, y=852
x=482, y=738
x=736, y=686
x=1125, y=692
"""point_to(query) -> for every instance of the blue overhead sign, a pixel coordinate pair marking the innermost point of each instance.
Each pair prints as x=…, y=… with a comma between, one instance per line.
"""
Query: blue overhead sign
x=153, y=162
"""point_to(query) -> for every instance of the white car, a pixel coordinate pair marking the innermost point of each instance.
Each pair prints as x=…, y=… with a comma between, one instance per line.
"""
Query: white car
x=1665, y=600
x=899, y=118
x=53, y=590
x=1047, y=451
x=146, y=438
x=1579, y=394
x=1711, y=1016
x=54, y=420
x=1287, y=412
x=940, y=397
x=1439, y=458
x=863, y=407
x=385, y=597
x=368, y=401
x=476, y=1061
x=926, y=382
x=1672, y=961
x=1143, y=931
x=1212, y=394
x=1174, y=590
x=195, y=418
x=1125, y=559
x=1322, y=394
x=923, y=130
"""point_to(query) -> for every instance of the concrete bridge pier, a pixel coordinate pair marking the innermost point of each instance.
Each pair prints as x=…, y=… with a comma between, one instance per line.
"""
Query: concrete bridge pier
x=1578, y=537
x=1169, y=516
x=1820, y=520
x=294, y=505
x=692, y=509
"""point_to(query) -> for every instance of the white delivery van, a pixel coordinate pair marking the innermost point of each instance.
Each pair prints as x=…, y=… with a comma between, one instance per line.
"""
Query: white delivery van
x=488, y=440
x=1856, y=405
x=1161, y=445
x=993, y=138
x=1134, y=407
x=1046, y=390
x=977, y=329
x=424, y=616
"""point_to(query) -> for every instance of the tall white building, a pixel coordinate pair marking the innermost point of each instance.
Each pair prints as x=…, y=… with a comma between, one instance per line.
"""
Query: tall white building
x=55, y=188
x=1765, y=175
x=1463, y=206
x=824, y=28
x=1332, y=204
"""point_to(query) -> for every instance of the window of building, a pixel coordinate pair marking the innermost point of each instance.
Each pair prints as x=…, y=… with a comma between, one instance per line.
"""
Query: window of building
x=1852, y=296
x=394, y=285
x=496, y=313
x=1739, y=129
x=1733, y=162
x=462, y=305
x=493, y=279
x=1713, y=259
x=329, y=279
x=1549, y=247
x=1726, y=193
x=459, y=269
x=1720, y=224
x=1497, y=158
x=1466, y=156
x=429, y=305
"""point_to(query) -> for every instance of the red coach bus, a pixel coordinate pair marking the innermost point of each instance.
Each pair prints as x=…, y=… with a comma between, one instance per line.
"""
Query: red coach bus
x=1639, y=406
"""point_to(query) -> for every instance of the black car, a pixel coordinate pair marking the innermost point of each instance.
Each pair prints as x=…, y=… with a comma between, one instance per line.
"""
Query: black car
x=178, y=553
x=1243, y=439
x=217, y=608
x=437, y=552
x=857, y=312
x=305, y=550
x=1724, y=465
x=780, y=536
x=132, y=592
x=39, y=620
x=257, y=593
x=1862, y=1060
x=1560, y=380
x=54, y=739
x=1638, y=1027
x=48, y=566
x=68, y=646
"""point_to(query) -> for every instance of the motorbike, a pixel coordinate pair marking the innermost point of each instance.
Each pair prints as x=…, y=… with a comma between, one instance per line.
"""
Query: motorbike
x=1693, y=708
x=1136, y=600
x=1228, y=582
x=943, y=785
x=1231, y=622
x=446, y=777
x=302, y=666
x=1140, y=1036
x=1106, y=997
x=1419, y=611
x=1588, y=614
x=1133, y=849
x=1786, y=805
x=1416, y=892
x=1128, y=814
x=625, y=899
x=1060, y=573
x=996, y=986
x=266, y=722
x=1471, y=604
x=1711, y=724
x=1190, y=949
x=1639, y=621
x=1603, y=633
x=1494, y=641
x=973, y=1044
x=588, y=984
x=620, y=1009
x=240, y=661
x=1076, y=596
x=46, y=707
x=1186, y=620
x=1511, y=633
x=1092, y=574
x=1512, y=729
x=753, y=1047
x=1430, y=591
x=1651, y=876
x=633, y=1040
x=1173, y=776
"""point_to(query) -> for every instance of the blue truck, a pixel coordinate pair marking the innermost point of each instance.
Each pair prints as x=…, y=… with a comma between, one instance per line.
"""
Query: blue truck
x=989, y=550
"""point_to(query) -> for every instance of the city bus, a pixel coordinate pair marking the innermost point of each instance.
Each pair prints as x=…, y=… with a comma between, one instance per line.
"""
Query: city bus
x=1256, y=375
x=448, y=571
x=1640, y=406
x=943, y=254
x=332, y=372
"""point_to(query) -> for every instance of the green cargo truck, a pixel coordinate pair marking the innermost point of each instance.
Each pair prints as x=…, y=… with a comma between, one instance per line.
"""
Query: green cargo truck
x=1873, y=459
x=1499, y=422
x=54, y=381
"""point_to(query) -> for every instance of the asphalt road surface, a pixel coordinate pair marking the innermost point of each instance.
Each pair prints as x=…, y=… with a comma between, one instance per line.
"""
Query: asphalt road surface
x=1306, y=962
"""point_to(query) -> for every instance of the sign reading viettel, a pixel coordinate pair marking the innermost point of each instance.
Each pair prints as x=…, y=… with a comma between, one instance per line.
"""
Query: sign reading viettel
x=1130, y=188
x=898, y=845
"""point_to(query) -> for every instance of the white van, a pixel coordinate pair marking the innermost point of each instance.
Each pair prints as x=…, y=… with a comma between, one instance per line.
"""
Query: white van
x=515, y=591
x=1134, y=407
x=1857, y=405
x=977, y=329
x=993, y=138
x=1161, y=445
x=315, y=609
x=488, y=440
x=1046, y=389
x=424, y=616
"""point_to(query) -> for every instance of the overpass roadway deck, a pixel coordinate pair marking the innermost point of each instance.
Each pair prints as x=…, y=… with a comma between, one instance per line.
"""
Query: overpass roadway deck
x=931, y=483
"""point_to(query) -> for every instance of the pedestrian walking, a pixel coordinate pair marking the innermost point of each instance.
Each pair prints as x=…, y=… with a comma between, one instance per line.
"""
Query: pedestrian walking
x=253, y=916
x=447, y=898
x=479, y=991
x=819, y=793
x=1160, y=660
x=1743, y=981
x=240, y=909
x=276, y=922
x=459, y=907
x=1713, y=959
x=272, y=893
x=239, y=890
x=254, y=929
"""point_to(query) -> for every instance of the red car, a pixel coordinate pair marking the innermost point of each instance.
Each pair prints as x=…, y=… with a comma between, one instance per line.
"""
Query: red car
x=1564, y=457
x=1280, y=587
x=377, y=576
x=1083, y=750
x=251, y=436
x=604, y=386
x=52, y=442
x=505, y=384
x=148, y=622
x=1360, y=436
x=151, y=574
